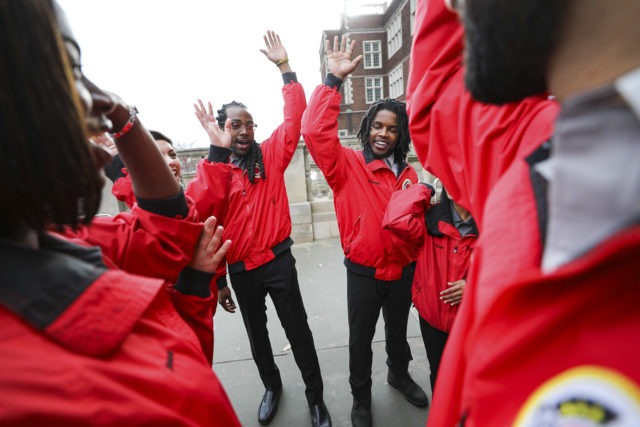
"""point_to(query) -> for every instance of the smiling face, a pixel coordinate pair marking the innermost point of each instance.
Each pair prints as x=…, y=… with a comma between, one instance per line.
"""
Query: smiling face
x=383, y=134
x=242, y=130
x=170, y=157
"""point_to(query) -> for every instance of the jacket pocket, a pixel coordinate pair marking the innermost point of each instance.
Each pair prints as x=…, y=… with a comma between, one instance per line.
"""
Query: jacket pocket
x=355, y=232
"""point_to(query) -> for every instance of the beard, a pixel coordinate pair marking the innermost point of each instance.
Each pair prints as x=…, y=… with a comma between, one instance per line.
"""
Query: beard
x=509, y=44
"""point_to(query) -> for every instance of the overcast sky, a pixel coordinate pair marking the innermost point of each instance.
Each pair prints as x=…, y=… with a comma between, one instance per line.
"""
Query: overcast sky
x=162, y=55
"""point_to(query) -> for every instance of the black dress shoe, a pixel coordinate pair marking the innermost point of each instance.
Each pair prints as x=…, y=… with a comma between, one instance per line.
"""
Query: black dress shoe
x=268, y=406
x=320, y=415
x=412, y=391
x=361, y=413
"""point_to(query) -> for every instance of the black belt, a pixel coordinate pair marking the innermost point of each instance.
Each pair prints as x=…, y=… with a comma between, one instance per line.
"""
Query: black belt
x=371, y=271
x=238, y=267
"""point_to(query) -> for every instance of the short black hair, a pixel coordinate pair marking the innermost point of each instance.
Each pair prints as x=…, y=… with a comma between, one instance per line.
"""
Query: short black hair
x=157, y=136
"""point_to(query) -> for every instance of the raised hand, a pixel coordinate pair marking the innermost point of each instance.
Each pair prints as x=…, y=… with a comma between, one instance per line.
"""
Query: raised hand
x=339, y=62
x=275, y=51
x=217, y=136
x=210, y=250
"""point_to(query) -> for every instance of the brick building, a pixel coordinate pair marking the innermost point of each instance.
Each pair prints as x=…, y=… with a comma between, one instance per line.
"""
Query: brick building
x=383, y=35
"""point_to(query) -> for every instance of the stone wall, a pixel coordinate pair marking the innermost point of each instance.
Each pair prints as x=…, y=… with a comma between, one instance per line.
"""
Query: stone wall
x=310, y=198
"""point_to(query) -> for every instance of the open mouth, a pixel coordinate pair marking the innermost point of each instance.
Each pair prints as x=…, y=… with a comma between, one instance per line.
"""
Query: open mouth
x=381, y=145
x=243, y=145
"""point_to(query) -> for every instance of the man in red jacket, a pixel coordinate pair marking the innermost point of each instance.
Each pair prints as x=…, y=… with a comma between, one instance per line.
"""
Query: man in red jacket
x=259, y=225
x=545, y=334
x=379, y=265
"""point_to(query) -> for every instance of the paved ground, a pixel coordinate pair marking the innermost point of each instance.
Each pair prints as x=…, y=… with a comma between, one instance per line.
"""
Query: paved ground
x=323, y=282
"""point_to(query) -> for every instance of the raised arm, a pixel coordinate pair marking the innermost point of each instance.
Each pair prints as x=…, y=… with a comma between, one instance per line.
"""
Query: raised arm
x=467, y=144
x=210, y=187
x=281, y=145
x=339, y=61
x=151, y=177
x=275, y=52
x=320, y=120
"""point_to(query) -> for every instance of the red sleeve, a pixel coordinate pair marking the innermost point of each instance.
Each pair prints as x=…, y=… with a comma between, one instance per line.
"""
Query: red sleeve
x=404, y=216
x=282, y=143
x=122, y=189
x=198, y=314
x=320, y=131
x=210, y=189
x=144, y=243
x=468, y=145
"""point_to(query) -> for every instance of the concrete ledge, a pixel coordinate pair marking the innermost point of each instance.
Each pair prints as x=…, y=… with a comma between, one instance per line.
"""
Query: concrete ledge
x=324, y=216
x=302, y=233
x=322, y=205
x=300, y=213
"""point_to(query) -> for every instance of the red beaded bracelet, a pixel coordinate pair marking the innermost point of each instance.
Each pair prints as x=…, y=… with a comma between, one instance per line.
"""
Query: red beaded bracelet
x=133, y=113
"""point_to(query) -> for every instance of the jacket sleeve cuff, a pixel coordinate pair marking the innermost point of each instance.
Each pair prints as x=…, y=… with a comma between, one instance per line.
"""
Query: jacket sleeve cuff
x=114, y=169
x=430, y=188
x=222, y=282
x=289, y=77
x=171, y=207
x=194, y=282
x=333, y=81
x=219, y=154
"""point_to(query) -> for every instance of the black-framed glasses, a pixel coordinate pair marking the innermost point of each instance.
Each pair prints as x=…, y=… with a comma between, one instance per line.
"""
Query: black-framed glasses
x=237, y=125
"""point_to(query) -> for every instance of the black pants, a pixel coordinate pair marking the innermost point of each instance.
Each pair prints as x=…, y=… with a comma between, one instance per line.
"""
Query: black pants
x=434, y=342
x=365, y=297
x=279, y=279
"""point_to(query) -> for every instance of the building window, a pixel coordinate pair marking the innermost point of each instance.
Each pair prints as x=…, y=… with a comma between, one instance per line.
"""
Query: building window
x=394, y=34
x=373, y=89
x=396, y=82
x=347, y=90
x=372, y=54
x=412, y=14
x=343, y=133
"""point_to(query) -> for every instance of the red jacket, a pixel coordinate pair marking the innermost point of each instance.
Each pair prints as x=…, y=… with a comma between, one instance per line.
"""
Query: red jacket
x=361, y=191
x=122, y=189
x=213, y=198
x=142, y=242
x=441, y=259
x=525, y=346
x=468, y=145
x=82, y=344
x=148, y=244
x=258, y=216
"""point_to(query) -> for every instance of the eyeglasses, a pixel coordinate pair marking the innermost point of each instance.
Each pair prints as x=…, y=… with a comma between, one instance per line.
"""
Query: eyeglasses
x=249, y=126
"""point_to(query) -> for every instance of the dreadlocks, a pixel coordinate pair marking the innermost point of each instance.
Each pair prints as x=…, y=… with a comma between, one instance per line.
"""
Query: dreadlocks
x=254, y=156
x=404, y=139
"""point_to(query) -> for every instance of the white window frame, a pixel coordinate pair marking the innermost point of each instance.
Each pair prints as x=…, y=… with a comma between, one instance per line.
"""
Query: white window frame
x=347, y=90
x=372, y=54
x=372, y=85
x=396, y=82
x=394, y=34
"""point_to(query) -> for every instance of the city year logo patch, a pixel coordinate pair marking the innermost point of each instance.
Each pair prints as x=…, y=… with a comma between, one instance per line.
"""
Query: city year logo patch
x=585, y=396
